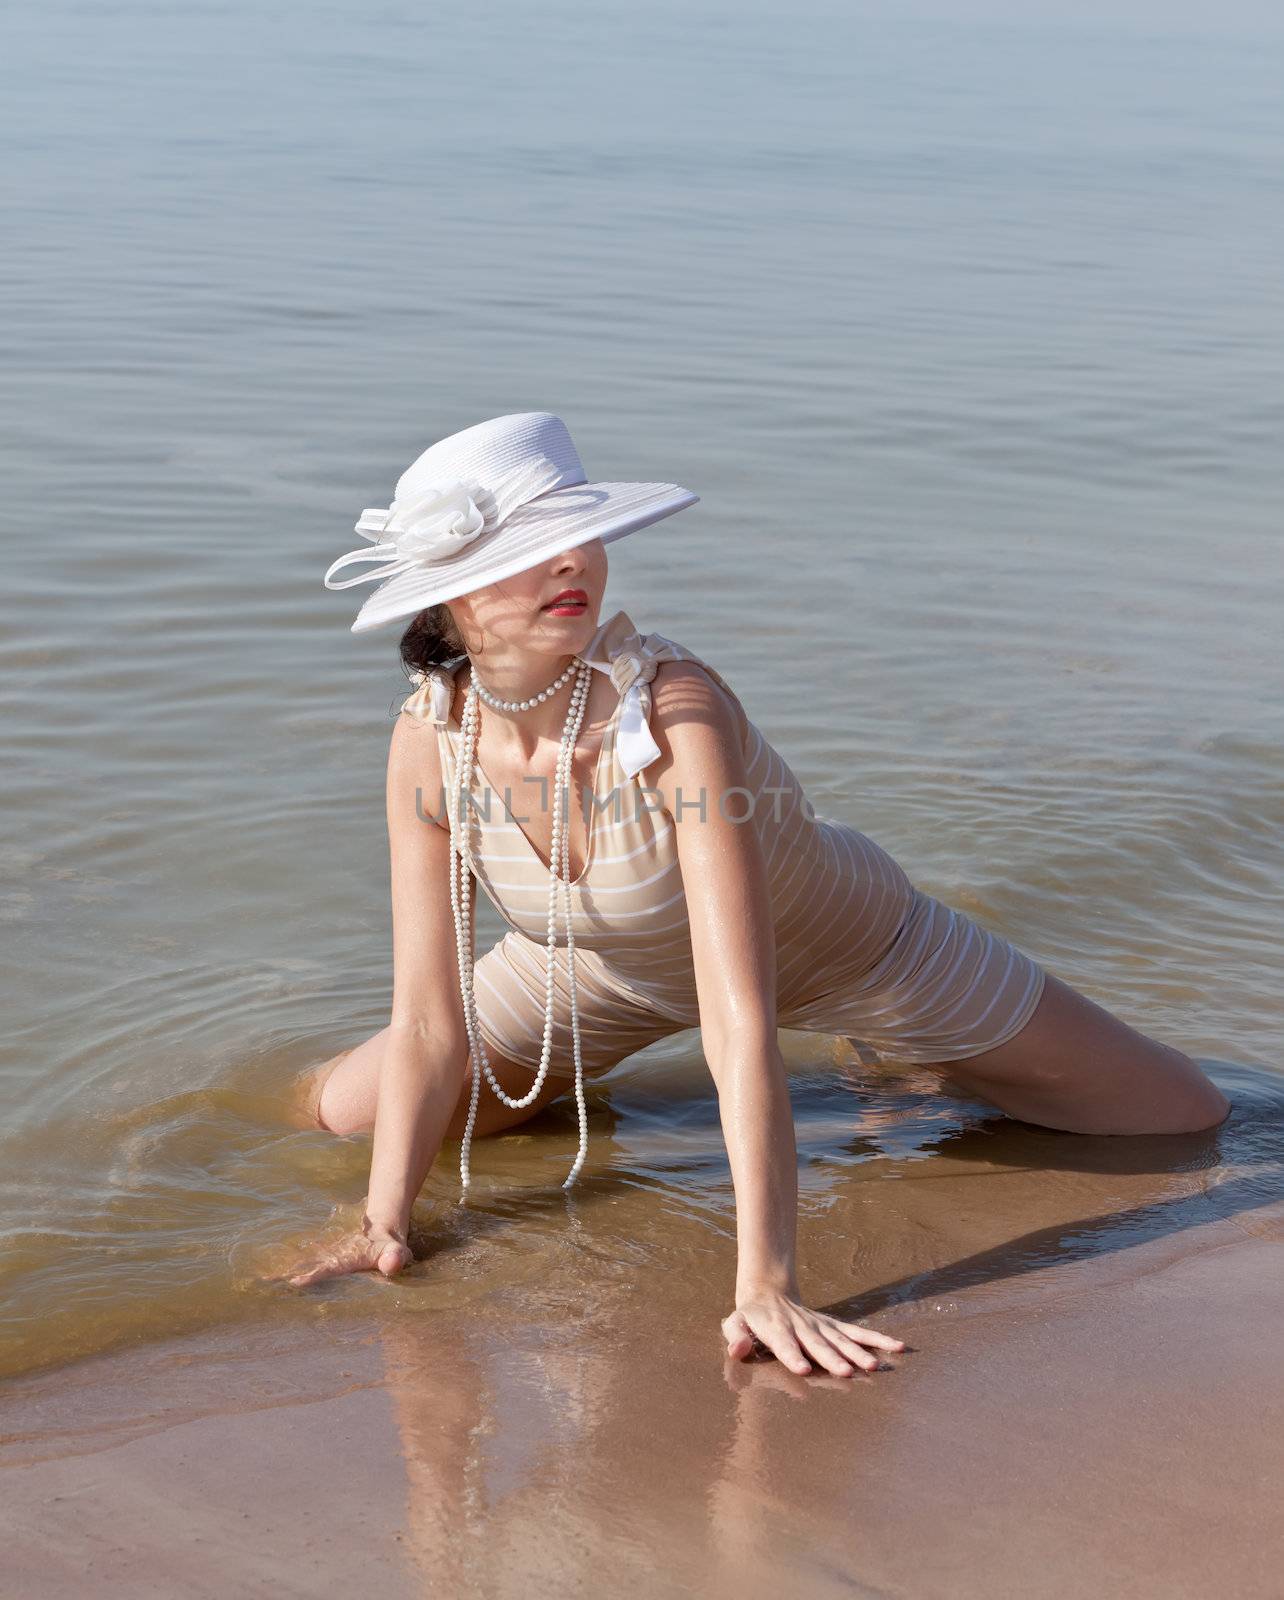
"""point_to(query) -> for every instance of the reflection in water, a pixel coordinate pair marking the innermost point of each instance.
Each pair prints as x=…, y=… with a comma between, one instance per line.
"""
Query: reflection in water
x=587, y=1422
x=550, y=1458
x=902, y=1185
x=562, y=1400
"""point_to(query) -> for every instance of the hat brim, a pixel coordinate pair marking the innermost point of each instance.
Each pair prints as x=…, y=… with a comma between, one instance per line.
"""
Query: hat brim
x=558, y=520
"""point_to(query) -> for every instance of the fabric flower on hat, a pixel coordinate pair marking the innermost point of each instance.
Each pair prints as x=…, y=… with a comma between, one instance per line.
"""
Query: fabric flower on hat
x=434, y=523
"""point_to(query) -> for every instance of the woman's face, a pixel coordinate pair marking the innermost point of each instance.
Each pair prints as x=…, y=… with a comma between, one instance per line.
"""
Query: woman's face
x=515, y=615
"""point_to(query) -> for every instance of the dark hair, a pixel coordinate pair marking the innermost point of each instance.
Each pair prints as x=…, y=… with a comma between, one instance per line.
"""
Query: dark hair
x=431, y=640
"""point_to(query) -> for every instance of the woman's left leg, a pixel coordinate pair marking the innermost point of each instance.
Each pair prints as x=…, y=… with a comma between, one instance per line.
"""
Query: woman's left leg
x=1077, y=1067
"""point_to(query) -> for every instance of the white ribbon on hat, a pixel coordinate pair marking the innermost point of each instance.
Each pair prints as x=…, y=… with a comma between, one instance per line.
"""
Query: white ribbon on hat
x=432, y=522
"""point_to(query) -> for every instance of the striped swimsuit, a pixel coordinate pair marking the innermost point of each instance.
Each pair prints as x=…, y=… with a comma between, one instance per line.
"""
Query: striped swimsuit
x=861, y=952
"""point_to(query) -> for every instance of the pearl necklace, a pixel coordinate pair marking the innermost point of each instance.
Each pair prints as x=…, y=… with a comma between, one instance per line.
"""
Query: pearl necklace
x=460, y=880
x=524, y=705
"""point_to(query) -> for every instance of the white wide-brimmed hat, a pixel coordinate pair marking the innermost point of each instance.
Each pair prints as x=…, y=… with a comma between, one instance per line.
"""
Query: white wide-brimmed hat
x=485, y=503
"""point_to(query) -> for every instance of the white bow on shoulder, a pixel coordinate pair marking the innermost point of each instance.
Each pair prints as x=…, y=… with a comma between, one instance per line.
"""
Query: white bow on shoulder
x=618, y=649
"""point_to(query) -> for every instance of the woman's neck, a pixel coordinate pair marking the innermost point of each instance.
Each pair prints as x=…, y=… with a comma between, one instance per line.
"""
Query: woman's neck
x=521, y=734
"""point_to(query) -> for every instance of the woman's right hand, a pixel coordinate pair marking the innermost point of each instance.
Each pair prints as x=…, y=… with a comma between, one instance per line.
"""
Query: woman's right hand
x=372, y=1249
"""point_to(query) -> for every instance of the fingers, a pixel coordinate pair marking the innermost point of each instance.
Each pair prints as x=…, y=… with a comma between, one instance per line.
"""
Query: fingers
x=334, y=1266
x=780, y=1338
x=801, y=1340
x=826, y=1355
x=739, y=1336
x=392, y=1258
x=849, y=1349
x=848, y=1338
x=743, y=1337
x=784, y=1345
x=328, y=1269
x=880, y=1341
x=744, y=1333
x=357, y=1255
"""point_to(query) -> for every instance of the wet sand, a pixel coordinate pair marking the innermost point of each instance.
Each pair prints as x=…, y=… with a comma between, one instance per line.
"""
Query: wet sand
x=1112, y=1429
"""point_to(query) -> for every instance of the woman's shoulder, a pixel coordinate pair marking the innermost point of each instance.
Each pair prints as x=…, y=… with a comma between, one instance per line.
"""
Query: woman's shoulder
x=415, y=781
x=696, y=716
x=668, y=659
x=681, y=673
x=414, y=754
x=686, y=678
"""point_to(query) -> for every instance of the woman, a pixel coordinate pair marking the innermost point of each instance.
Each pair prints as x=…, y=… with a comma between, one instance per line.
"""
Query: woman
x=693, y=886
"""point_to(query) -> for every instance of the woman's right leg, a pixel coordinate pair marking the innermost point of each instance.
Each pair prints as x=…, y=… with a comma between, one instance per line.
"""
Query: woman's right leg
x=510, y=980
x=341, y=1095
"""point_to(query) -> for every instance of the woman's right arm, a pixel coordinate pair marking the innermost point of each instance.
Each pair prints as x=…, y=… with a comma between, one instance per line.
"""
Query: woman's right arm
x=424, y=1068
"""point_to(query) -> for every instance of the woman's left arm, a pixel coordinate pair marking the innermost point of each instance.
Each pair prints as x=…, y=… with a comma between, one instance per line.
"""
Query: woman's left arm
x=702, y=781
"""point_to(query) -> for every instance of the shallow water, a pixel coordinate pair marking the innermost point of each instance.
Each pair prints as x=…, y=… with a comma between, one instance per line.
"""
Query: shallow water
x=972, y=348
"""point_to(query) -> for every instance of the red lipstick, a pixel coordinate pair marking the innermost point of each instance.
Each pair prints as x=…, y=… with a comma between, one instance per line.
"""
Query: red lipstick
x=567, y=603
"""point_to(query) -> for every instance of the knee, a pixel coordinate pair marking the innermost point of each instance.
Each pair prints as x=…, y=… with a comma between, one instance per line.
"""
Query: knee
x=306, y=1096
x=346, y=1090
x=334, y=1111
x=1202, y=1103
x=1209, y=1108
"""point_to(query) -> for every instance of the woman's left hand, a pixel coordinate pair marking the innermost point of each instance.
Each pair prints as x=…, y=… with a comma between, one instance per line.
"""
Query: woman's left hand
x=793, y=1333
x=370, y=1248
